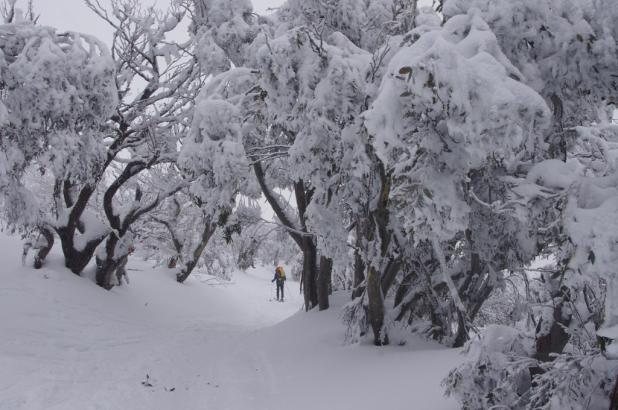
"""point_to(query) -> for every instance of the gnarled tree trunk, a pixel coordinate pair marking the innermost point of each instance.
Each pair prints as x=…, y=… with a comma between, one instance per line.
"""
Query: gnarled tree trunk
x=309, y=274
x=376, y=307
x=106, y=267
x=304, y=240
x=75, y=258
x=359, y=264
x=324, y=281
x=189, y=265
x=44, y=247
x=554, y=340
x=376, y=228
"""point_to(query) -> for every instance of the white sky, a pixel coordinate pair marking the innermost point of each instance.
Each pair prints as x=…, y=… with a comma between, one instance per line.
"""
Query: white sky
x=73, y=15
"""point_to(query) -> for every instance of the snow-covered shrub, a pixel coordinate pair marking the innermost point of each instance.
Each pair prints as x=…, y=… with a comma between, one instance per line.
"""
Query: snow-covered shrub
x=501, y=372
x=573, y=302
x=497, y=373
x=574, y=382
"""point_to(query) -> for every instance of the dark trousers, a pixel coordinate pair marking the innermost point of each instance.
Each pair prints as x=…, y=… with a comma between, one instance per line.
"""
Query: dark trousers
x=279, y=286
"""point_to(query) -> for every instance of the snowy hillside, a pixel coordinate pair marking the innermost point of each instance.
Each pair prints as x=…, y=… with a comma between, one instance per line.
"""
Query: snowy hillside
x=155, y=344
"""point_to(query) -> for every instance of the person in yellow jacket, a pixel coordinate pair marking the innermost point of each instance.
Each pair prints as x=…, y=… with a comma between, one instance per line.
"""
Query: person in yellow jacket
x=280, y=281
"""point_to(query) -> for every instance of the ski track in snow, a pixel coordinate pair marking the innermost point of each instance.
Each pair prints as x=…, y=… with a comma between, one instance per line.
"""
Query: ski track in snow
x=66, y=344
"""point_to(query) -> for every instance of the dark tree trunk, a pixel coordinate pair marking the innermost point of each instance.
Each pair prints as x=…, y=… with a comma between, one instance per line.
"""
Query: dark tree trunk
x=76, y=260
x=390, y=272
x=376, y=228
x=554, y=341
x=178, y=246
x=44, y=249
x=359, y=265
x=613, y=400
x=461, y=337
x=401, y=293
x=66, y=196
x=188, y=266
x=376, y=307
x=324, y=279
x=310, y=254
x=479, y=298
x=300, y=235
x=473, y=291
x=107, y=267
x=558, y=140
x=309, y=275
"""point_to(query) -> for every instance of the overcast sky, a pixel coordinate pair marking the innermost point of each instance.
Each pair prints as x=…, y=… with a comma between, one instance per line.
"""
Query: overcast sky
x=73, y=15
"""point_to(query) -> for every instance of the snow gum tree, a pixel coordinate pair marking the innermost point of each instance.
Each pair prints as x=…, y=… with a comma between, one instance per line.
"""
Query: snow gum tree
x=58, y=91
x=214, y=156
x=426, y=160
x=448, y=111
x=567, y=53
x=325, y=75
x=313, y=65
x=157, y=83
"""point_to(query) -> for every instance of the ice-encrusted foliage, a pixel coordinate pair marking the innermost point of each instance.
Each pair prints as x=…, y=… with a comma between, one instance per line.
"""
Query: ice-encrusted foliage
x=448, y=105
x=57, y=91
x=587, y=185
x=565, y=50
x=450, y=120
x=574, y=382
x=55, y=81
x=225, y=28
x=578, y=296
x=213, y=153
x=314, y=90
x=498, y=375
x=497, y=372
x=562, y=47
x=454, y=169
x=367, y=24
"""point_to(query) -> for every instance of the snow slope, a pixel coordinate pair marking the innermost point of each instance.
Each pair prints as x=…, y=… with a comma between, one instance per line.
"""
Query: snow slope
x=155, y=344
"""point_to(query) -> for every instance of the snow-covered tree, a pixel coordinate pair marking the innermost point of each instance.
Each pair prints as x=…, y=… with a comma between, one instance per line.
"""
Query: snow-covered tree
x=567, y=53
x=313, y=89
x=564, y=49
x=157, y=82
x=58, y=91
x=431, y=133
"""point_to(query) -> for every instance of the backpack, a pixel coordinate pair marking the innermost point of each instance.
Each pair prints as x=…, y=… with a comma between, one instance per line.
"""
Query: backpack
x=281, y=272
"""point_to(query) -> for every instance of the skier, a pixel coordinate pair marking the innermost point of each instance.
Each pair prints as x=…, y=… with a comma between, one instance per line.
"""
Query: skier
x=280, y=280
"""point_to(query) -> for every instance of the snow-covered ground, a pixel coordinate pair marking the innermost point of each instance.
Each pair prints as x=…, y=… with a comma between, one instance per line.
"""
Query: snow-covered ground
x=155, y=344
